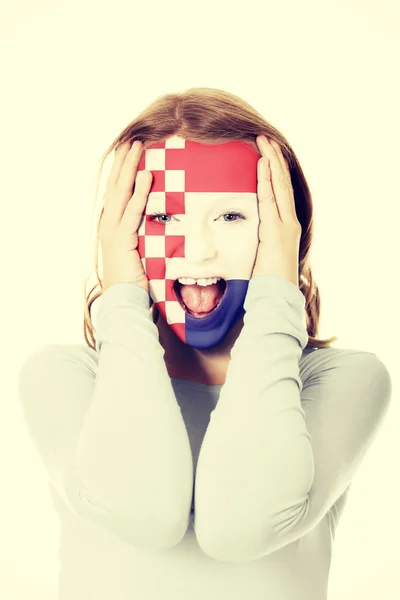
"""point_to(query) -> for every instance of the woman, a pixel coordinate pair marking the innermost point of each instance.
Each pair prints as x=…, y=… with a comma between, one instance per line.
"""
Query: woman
x=204, y=447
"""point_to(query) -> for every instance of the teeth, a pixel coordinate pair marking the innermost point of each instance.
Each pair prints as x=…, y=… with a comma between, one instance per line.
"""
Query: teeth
x=189, y=281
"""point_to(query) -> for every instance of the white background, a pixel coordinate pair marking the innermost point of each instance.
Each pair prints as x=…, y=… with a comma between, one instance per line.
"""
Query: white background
x=73, y=74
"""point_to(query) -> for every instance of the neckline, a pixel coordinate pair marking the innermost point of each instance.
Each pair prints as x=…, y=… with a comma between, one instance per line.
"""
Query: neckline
x=196, y=384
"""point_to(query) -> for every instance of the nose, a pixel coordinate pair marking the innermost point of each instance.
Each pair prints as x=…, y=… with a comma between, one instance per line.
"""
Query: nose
x=199, y=245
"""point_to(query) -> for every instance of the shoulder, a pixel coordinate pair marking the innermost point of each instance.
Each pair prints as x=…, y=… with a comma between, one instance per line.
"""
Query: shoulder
x=347, y=373
x=316, y=361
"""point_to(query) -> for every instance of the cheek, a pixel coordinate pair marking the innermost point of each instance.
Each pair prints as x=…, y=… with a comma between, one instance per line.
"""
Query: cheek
x=242, y=254
x=246, y=240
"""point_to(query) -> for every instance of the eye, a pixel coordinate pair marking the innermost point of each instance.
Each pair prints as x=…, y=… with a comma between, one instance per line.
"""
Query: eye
x=154, y=217
x=234, y=214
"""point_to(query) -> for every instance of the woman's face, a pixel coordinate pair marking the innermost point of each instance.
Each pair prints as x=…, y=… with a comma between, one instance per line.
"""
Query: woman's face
x=206, y=195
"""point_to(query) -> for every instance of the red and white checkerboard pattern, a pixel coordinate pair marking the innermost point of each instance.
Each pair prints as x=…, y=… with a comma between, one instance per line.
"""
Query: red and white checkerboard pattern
x=155, y=243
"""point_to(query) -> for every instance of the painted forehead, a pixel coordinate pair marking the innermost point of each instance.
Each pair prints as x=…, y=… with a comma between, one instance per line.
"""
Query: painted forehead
x=182, y=166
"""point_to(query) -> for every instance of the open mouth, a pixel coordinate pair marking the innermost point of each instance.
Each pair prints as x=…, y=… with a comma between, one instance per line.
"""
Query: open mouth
x=177, y=289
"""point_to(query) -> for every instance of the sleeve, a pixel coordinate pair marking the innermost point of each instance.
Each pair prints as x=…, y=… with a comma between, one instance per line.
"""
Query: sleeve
x=277, y=454
x=111, y=435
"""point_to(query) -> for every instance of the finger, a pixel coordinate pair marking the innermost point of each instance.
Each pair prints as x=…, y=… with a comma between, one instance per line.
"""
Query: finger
x=119, y=158
x=282, y=184
x=129, y=168
x=279, y=184
x=136, y=206
x=267, y=205
x=119, y=194
x=280, y=178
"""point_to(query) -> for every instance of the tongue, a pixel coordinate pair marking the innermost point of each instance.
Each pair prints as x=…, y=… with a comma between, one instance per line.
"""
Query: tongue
x=201, y=299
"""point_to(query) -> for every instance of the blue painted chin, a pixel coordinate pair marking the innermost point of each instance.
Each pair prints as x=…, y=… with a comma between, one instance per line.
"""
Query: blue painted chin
x=209, y=331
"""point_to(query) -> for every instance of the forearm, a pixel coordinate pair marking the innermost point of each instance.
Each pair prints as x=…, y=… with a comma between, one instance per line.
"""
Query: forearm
x=133, y=455
x=256, y=461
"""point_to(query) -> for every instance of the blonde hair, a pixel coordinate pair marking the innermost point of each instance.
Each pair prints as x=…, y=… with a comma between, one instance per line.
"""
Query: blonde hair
x=213, y=116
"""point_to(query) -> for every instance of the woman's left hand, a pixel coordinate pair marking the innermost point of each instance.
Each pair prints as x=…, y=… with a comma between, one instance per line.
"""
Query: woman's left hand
x=279, y=230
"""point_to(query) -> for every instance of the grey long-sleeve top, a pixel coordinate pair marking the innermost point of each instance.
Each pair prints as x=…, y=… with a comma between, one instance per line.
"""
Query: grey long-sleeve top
x=173, y=488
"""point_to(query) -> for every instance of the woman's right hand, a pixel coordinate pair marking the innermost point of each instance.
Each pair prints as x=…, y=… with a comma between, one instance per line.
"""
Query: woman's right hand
x=122, y=215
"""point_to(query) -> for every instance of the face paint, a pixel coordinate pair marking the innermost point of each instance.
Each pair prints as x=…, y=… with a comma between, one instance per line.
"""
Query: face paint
x=194, y=185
